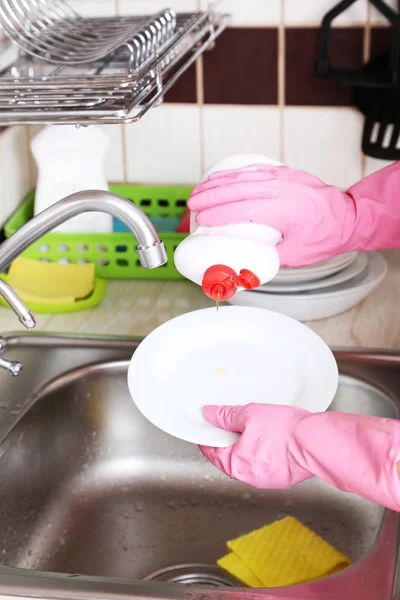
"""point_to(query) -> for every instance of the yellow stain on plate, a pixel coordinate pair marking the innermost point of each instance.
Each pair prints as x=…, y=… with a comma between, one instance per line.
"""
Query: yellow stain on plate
x=220, y=371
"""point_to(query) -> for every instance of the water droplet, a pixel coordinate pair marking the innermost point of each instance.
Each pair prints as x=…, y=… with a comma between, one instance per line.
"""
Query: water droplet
x=260, y=440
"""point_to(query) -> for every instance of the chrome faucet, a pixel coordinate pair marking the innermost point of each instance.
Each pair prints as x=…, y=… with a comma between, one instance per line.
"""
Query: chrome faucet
x=150, y=249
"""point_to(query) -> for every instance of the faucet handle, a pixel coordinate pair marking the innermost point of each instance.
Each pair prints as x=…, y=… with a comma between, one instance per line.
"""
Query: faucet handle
x=14, y=367
x=26, y=318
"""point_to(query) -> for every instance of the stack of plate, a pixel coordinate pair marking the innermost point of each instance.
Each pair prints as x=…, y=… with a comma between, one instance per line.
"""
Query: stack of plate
x=319, y=291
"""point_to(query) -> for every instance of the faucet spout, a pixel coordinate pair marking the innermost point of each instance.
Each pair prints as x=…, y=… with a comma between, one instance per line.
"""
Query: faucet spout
x=150, y=249
x=23, y=313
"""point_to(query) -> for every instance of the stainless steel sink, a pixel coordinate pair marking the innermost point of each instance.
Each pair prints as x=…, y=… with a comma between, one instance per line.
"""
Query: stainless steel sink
x=89, y=487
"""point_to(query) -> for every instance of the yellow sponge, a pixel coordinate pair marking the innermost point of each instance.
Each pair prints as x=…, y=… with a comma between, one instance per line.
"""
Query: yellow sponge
x=281, y=554
x=37, y=281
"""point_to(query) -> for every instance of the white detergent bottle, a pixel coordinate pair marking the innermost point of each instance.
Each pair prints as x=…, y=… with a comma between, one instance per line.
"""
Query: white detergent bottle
x=71, y=159
x=230, y=258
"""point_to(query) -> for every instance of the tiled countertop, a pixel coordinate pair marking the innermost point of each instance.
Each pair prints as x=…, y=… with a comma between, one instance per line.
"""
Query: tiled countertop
x=134, y=308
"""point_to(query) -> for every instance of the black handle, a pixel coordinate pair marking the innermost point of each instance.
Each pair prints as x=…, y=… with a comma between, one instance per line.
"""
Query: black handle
x=386, y=78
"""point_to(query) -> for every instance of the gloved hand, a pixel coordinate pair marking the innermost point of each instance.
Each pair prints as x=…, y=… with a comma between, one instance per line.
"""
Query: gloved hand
x=260, y=457
x=317, y=221
x=280, y=446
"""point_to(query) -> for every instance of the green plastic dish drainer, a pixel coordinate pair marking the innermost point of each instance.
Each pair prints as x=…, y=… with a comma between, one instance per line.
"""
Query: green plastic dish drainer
x=114, y=254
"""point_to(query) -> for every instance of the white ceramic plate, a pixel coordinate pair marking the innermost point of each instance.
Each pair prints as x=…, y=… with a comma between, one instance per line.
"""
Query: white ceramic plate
x=347, y=274
x=317, y=271
x=311, y=306
x=236, y=355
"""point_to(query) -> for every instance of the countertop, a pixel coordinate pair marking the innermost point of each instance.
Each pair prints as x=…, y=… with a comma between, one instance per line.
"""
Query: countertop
x=134, y=308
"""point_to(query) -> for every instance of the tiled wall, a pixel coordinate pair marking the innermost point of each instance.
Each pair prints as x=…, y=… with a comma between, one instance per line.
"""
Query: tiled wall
x=255, y=92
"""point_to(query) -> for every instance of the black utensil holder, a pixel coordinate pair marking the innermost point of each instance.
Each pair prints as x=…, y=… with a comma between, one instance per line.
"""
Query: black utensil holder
x=388, y=77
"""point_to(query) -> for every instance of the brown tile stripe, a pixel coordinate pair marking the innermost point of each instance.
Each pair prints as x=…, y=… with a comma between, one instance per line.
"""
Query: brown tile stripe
x=303, y=87
x=243, y=68
x=184, y=90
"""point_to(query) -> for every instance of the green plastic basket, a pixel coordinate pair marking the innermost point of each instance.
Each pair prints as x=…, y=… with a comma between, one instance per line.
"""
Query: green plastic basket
x=114, y=254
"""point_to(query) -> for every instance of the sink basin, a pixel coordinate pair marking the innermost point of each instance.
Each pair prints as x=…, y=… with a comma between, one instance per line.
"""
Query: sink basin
x=103, y=492
x=89, y=487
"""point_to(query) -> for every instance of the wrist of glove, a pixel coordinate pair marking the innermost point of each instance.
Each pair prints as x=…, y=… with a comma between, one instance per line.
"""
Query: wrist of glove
x=354, y=453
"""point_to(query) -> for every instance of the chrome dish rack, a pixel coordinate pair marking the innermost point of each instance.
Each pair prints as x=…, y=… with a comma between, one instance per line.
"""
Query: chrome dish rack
x=52, y=31
x=120, y=86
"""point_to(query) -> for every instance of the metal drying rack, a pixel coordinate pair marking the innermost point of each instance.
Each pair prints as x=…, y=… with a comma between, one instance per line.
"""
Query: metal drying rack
x=54, y=32
x=39, y=86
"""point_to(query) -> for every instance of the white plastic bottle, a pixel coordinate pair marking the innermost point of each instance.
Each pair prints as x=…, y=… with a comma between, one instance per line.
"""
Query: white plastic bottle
x=69, y=160
x=231, y=258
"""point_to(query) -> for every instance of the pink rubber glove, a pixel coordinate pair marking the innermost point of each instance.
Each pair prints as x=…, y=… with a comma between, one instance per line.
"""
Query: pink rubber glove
x=317, y=220
x=280, y=446
x=260, y=457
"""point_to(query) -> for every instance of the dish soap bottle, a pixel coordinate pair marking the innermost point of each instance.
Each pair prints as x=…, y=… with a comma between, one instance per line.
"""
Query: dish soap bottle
x=229, y=258
x=71, y=159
